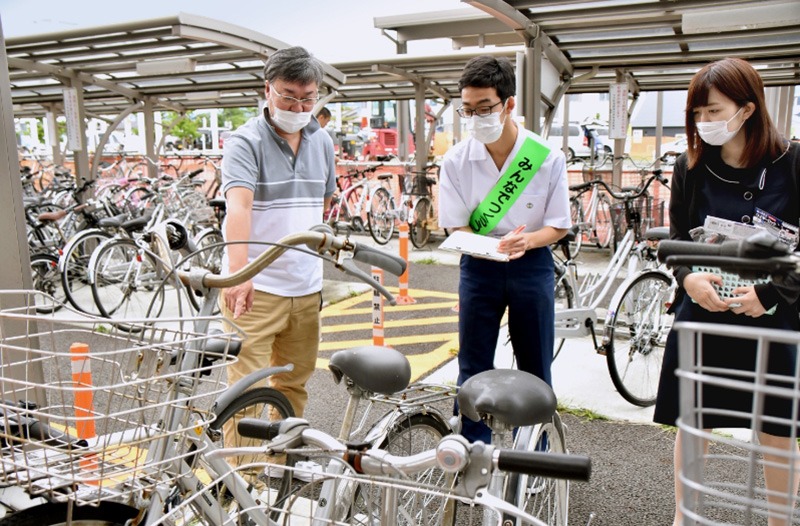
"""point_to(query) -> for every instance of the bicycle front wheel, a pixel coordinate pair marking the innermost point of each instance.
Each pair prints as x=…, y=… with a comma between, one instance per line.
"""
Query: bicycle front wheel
x=380, y=218
x=420, y=225
x=635, y=336
x=57, y=514
x=126, y=282
x=263, y=403
x=74, y=268
x=545, y=498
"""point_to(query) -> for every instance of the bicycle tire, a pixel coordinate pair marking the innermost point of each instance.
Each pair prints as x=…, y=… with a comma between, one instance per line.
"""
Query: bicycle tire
x=380, y=218
x=419, y=230
x=564, y=299
x=545, y=498
x=635, y=336
x=74, y=266
x=604, y=223
x=46, y=279
x=126, y=282
x=257, y=402
x=577, y=216
x=55, y=514
x=409, y=435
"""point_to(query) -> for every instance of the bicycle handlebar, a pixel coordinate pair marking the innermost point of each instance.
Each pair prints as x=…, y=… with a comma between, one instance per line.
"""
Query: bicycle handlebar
x=322, y=241
x=761, y=253
x=452, y=454
x=656, y=175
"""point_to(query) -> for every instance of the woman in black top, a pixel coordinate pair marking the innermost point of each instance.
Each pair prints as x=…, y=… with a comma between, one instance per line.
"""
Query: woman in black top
x=736, y=162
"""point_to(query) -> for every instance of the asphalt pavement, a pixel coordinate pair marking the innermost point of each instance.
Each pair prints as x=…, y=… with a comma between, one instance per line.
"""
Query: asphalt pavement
x=631, y=481
x=632, y=477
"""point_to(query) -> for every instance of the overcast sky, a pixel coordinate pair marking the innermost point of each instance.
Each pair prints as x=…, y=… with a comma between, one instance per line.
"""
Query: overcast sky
x=334, y=30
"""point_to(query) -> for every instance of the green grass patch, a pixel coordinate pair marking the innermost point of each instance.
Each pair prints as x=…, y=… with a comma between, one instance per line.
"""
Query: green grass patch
x=427, y=261
x=585, y=414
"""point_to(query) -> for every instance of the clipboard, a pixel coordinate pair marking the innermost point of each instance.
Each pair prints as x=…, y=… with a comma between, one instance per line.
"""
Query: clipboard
x=473, y=245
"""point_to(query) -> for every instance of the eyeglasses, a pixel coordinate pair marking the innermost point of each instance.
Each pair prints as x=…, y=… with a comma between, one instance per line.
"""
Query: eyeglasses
x=291, y=101
x=480, y=111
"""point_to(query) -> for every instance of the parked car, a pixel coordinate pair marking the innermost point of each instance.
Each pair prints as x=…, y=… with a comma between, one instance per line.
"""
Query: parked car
x=578, y=141
x=671, y=150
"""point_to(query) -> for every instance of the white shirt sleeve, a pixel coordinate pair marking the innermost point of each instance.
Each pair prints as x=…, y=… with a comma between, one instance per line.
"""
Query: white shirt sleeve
x=557, y=213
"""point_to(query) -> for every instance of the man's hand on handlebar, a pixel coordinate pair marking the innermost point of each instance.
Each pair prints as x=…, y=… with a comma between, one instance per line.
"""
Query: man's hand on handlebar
x=239, y=299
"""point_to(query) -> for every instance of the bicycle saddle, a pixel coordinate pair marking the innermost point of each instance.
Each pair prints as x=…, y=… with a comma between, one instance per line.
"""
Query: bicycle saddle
x=377, y=369
x=657, y=232
x=112, y=222
x=512, y=397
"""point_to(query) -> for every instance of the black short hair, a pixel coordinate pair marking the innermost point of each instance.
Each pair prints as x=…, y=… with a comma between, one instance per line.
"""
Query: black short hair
x=487, y=71
x=324, y=112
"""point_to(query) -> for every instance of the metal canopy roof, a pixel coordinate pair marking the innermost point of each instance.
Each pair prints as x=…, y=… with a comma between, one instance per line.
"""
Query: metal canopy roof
x=179, y=63
x=660, y=44
x=395, y=78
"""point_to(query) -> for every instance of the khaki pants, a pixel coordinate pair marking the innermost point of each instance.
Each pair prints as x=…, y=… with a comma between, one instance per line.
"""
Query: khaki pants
x=279, y=331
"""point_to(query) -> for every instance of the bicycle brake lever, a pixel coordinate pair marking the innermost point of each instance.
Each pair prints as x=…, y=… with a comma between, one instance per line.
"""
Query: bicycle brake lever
x=346, y=263
x=484, y=498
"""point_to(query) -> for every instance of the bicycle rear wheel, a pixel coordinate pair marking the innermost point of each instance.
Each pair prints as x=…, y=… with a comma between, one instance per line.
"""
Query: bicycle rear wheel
x=547, y=499
x=565, y=299
x=576, y=214
x=635, y=337
x=422, y=214
x=604, y=223
x=380, y=217
x=46, y=279
x=126, y=281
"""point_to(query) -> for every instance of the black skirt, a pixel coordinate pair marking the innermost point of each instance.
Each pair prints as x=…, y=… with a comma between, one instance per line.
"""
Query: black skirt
x=733, y=355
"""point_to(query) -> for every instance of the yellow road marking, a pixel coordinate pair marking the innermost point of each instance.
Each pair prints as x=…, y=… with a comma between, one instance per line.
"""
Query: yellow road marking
x=390, y=341
x=392, y=324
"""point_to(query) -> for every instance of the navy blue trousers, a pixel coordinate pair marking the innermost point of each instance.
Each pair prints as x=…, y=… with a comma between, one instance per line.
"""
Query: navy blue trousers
x=526, y=286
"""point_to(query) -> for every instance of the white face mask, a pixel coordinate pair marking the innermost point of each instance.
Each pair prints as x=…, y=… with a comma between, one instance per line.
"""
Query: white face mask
x=716, y=133
x=486, y=129
x=289, y=121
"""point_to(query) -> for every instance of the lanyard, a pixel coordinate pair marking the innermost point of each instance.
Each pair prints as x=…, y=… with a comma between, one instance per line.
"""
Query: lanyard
x=508, y=188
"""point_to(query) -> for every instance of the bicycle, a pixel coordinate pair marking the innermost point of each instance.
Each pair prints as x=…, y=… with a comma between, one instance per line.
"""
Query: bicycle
x=636, y=322
x=710, y=462
x=350, y=204
x=415, y=207
x=593, y=217
x=155, y=431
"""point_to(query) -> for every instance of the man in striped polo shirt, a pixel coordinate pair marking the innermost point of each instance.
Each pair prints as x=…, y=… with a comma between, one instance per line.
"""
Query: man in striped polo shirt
x=278, y=176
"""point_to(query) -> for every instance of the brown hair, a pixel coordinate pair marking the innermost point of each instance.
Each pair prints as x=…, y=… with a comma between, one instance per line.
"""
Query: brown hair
x=740, y=82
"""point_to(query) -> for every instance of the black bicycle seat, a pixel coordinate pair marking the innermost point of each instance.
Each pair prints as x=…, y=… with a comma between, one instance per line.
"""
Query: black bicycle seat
x=657, y=232
x=511, y=397
x=376, y=369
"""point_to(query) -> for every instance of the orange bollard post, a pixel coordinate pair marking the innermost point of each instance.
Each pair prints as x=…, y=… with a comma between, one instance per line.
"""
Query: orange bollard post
x=84, y=405
x=82, y=382
x=377, y=309
x=404, y=298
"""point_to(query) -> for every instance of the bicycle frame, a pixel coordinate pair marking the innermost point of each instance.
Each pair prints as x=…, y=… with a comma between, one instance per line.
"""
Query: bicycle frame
x=351, y=210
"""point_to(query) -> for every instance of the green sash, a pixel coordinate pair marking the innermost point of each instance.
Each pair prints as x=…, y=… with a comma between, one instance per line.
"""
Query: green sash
x=509, y=187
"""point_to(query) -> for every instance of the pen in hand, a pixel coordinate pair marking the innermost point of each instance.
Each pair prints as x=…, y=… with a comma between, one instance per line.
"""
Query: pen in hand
x=514, y=232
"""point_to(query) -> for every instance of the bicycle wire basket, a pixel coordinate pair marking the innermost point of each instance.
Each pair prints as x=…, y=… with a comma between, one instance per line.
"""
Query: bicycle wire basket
x=119, y=409
x=723, y=483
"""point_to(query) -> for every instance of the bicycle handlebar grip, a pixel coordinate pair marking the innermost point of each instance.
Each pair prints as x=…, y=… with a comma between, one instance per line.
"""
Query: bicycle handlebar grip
x=259, y=429
x=378, y=258
x=195, y=173
x=41, y=431
x=670, y=247
x=553, y=465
